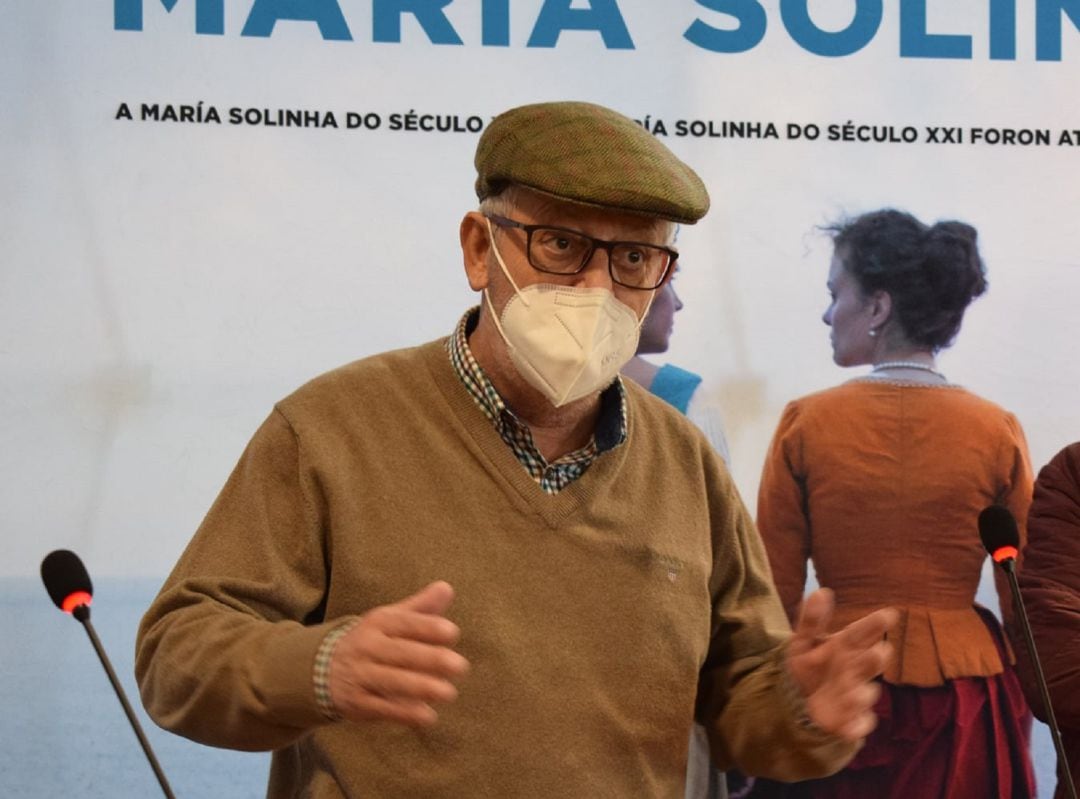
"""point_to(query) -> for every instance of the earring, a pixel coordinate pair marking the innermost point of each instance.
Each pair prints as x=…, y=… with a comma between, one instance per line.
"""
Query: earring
x=873, y=332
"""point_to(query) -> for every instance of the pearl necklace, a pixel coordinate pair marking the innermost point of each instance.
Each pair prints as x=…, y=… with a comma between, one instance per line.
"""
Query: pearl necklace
x=880, y=367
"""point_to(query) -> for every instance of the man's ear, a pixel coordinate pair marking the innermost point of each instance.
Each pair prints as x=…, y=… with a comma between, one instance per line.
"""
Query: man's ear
x=475, y=249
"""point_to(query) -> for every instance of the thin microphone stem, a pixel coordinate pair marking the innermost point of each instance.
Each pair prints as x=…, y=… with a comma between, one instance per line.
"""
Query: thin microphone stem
x=1010, y=569
x=84, y=618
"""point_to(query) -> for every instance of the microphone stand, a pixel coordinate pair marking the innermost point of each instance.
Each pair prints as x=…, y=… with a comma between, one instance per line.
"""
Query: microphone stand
x=1009, y=566
x=82, y=613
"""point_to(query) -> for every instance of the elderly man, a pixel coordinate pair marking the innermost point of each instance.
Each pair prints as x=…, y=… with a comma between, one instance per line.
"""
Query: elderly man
x=486, y=566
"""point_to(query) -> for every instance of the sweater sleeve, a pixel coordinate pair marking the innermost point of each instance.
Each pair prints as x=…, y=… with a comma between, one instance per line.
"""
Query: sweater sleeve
x=1050, y=581
x=225, y=654
x=746, y=700
x=781, y=514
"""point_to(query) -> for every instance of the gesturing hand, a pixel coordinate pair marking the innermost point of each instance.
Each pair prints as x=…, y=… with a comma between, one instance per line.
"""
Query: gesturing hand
x=835, y=672
x=397, y=660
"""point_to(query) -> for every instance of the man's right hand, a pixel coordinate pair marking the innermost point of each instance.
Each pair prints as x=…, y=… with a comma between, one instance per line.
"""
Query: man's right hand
x=398, y=660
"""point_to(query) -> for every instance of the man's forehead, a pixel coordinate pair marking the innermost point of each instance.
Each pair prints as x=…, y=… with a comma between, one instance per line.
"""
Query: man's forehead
x=541, y=209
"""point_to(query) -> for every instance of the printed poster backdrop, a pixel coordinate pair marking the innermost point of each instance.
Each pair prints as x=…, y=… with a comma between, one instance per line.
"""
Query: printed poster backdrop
x=206, y=203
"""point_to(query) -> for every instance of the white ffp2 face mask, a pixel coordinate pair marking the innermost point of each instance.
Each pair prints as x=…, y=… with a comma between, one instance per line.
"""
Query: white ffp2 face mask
x=567, y=342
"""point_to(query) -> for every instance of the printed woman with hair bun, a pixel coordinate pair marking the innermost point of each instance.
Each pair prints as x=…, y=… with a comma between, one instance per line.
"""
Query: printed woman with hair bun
x=879, y=482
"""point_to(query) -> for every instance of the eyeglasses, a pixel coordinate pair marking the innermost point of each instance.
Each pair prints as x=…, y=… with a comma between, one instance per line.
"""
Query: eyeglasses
x=561, y=251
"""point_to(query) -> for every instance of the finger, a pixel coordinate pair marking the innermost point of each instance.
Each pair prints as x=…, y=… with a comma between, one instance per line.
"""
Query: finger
x=870, y=663
x=394, y=622
x=870, y=628
x=838, y=711
x=438, y=661
x=847, y=672
x=853, y=667
x=813, y=621
x=372, y=707
x=859, y=657
x=434, y=598
x=854, y=700
x=816, y=611
x=393, y=683
x=859, y=727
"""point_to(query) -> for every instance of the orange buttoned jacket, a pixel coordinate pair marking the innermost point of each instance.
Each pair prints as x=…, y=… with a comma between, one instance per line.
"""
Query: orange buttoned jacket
x=880, y=484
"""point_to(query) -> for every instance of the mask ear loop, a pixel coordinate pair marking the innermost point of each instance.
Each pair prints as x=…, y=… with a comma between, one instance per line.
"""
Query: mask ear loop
x=502, y=263
x=505, y=271
x=648, y=306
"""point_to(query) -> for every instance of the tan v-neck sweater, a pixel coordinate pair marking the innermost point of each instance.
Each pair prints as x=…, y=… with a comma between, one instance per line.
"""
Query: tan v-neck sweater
x=594, y=619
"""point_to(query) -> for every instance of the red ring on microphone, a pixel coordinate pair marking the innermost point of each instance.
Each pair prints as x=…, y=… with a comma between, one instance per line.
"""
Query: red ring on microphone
x=74, y=599
x=1004, y=553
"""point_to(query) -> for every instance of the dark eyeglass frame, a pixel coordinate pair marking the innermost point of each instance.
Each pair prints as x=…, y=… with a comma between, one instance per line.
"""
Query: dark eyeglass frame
x=595, y=244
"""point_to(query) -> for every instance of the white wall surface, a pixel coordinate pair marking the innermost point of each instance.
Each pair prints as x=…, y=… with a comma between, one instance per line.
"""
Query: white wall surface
x=163, y=283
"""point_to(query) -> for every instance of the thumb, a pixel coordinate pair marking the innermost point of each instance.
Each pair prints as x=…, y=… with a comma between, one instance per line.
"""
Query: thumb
x=813, y=623
x=434, y=598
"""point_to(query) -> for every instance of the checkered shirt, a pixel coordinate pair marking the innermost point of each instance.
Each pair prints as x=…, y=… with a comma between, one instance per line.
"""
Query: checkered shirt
x=554, y=476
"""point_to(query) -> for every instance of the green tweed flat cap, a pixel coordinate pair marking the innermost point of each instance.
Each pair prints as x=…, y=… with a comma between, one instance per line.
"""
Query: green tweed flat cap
x=589, y=154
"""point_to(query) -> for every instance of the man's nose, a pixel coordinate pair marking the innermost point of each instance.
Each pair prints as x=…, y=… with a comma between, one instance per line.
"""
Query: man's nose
x=597, y=273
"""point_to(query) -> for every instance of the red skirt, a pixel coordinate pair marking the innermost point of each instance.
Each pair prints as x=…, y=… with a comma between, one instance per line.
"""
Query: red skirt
x=967, y=739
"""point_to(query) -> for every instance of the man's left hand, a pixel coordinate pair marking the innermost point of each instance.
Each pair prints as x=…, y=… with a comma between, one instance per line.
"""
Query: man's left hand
x=836, y=672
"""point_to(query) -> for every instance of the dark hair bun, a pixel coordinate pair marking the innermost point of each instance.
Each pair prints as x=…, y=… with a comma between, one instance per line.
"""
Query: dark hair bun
x=931, y=273
x=953, y=264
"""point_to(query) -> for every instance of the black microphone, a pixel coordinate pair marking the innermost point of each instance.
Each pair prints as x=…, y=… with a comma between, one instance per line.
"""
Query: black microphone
x=70, y=589
x=1001, y=538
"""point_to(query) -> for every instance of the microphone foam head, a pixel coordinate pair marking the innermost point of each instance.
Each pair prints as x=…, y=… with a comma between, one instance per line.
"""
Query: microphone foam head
x=66, y=580
x=998, y=531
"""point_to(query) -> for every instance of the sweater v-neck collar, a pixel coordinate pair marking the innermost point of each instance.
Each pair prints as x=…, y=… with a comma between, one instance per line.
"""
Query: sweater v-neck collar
x=480, y=435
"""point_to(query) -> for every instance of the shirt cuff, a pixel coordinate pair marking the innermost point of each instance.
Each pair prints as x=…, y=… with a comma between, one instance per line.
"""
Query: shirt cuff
x=795, y=700
x=323, y=657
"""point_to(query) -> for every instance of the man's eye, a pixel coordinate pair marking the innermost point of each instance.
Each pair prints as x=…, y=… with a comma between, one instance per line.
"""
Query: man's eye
x=555, y=242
